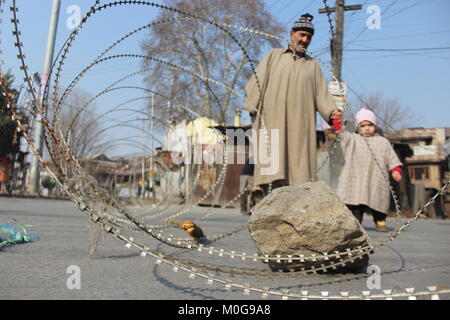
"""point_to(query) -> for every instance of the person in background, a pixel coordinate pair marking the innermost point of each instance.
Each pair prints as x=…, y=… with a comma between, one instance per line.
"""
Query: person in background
x=245, y=181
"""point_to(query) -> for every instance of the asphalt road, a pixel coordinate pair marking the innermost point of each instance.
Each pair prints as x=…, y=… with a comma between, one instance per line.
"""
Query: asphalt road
x=419, y=258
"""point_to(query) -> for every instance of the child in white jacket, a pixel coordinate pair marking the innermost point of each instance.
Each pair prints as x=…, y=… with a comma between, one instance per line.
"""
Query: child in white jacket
x=364, y=181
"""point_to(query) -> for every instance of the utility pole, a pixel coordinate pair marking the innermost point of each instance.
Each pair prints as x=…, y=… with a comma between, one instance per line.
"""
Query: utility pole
x=152, y=148
x=33, y=185
x=337, y=42
x=143, y=159
x=2, y=4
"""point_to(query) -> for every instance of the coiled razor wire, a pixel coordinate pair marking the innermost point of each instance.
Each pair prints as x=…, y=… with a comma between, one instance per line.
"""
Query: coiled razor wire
x=101, y=206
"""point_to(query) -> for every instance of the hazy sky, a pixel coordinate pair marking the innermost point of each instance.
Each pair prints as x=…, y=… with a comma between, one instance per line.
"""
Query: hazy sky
x=419, y=79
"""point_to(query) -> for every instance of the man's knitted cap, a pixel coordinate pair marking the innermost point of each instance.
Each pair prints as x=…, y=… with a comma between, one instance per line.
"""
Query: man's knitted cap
x=366, y=115
x=304, y=23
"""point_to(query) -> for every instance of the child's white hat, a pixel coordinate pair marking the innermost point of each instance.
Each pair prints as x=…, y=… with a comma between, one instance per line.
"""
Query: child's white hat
x=366, y=115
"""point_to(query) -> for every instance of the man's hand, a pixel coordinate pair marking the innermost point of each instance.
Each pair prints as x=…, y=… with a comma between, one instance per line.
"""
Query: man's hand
x=336, y=115
x=252, y=116
x=248, y=108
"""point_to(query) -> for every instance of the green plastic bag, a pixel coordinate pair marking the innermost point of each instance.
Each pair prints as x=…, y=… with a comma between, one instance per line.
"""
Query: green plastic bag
x=14, y=233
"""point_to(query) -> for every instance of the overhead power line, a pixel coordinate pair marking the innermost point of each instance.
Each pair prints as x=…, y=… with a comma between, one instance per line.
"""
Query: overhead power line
x=301, y=11
x=404, y=36
x=384, y=11
x=393, y=55
x=279, y=11
x=404, y=49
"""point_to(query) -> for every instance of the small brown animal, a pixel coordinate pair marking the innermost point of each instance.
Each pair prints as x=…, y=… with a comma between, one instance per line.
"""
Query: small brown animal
x=190, y=227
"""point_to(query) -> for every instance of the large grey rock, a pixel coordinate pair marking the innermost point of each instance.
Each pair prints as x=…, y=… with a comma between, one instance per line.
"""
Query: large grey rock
x=307, y=219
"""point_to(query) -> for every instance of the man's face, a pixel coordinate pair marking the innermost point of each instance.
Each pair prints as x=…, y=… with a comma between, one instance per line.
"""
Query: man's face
x=300, y=40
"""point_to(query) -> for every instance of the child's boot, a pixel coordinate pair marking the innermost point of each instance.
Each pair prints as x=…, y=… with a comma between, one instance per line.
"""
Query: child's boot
x=380, y=226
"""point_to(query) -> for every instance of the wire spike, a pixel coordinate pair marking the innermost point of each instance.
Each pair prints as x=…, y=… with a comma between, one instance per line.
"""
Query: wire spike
x=247, y=291
x=409, y=290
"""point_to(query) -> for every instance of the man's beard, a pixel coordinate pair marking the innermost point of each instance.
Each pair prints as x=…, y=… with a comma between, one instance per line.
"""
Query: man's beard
x=299, y=48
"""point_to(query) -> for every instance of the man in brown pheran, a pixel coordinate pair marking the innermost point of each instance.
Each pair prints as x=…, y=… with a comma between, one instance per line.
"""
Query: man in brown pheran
x=285, y=94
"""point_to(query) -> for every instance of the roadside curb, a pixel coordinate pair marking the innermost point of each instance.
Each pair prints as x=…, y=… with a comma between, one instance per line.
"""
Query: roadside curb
x=3, y=195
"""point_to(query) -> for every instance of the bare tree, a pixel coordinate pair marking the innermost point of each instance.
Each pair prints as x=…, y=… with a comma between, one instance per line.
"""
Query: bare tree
x=205, y=51
x=391, y=113
x=82, y=128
